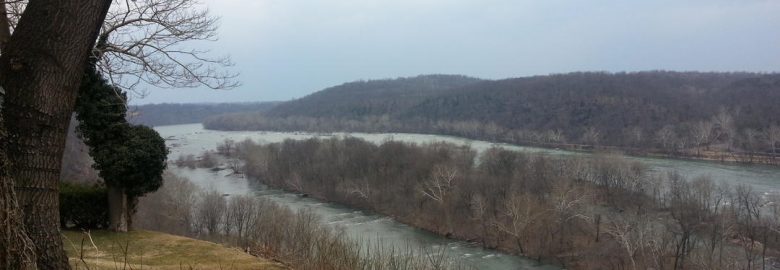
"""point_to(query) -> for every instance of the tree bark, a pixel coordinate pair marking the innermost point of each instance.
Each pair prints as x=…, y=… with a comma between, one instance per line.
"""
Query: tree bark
x=5, y=28
x=117, y=209
x=16, y=248
x=41, y=69
x=132, y=207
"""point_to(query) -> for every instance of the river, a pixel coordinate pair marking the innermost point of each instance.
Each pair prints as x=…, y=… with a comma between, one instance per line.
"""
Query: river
x=193, y=139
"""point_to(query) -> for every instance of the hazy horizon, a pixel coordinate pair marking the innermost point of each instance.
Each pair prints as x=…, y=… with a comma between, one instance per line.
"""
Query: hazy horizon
x=288, y=49
x=138, y=102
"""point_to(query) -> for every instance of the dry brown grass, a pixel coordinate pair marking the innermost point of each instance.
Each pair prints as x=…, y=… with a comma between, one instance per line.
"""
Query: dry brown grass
x=153, y=250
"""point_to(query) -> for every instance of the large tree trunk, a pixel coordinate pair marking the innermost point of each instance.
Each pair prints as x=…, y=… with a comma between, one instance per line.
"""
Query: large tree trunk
x=5, y=29
x=41, y=68
x=117, y=209
x=132, y=207
x=16, y=248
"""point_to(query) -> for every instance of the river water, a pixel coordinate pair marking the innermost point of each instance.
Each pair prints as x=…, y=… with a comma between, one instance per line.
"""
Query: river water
x=193, y=139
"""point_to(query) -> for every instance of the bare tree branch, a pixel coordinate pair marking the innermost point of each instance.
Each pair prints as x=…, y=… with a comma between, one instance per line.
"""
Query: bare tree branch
x=151, y=42
x=441, y=182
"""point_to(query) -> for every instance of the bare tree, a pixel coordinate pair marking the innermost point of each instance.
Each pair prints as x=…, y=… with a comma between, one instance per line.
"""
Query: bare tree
x=235, y=165
x=438, y=187
x=591, y=136
x=226, y=148
x=45, y=45
x=521, y=211
x=566, y=201
x=148, y=41
x=666, y=137
x=151, y=42
x=748, y=214
x=702, y=134
x=773, y=138
x=751, y=141
x=626, y=234
x=479, y=208
x=241, y=211
x=169, y=209
x=207, y=160
x=441, y=182
x=211, y=212
x=724, y=124
x=687, y=215
x=40, y=71
x=295, y=182
x=635, y=135
x=554, y=136
x=359, y=188
x=773, y=203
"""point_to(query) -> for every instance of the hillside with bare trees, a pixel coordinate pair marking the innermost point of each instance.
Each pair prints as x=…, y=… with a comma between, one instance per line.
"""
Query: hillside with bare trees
x=722, y=116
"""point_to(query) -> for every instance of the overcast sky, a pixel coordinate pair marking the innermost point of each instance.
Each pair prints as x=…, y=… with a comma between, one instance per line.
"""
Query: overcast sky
x=289, y=48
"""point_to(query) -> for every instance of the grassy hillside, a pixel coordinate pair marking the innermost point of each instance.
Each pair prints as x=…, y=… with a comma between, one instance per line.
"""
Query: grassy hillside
x=153, y=250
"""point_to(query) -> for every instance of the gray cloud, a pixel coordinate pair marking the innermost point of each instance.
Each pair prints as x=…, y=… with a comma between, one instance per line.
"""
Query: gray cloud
x=289, y=48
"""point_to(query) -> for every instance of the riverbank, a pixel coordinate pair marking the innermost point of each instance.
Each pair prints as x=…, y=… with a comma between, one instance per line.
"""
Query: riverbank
x=642, y=143
x=694, y=154
x=430, y=227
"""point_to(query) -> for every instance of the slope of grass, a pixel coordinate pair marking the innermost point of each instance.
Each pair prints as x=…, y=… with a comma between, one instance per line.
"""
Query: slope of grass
x=153, y=250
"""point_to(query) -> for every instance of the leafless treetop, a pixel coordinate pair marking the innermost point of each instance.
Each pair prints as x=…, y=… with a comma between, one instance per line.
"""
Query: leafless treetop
x=154, y=42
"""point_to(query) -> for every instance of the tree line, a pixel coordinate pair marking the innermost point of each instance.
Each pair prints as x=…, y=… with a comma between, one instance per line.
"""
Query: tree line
x=178, y=113
x=602, y=212
x=706, y=115
x=372, y=97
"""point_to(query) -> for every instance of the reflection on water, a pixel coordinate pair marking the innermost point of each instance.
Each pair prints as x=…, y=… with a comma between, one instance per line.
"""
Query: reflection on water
x=193, y=139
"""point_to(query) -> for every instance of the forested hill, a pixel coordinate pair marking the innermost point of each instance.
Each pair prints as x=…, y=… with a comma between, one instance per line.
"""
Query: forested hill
x=611, y=104
x=375, y=97
x=655, y=109
x=176, y=113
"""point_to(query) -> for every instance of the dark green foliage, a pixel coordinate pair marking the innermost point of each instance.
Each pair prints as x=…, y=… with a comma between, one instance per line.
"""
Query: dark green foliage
x=142, y=161
x=101, y=112
x=83, y=206
x=127, y=156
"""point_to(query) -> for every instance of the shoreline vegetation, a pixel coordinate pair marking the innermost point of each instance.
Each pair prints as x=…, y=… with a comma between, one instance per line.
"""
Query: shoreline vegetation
x=694, y=115
x=257, y=226
x=578, y=213
x=259, y=122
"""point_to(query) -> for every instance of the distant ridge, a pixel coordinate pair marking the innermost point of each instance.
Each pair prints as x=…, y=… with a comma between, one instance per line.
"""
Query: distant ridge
x=673, y=111
x=179, y=113
x=373, y=97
